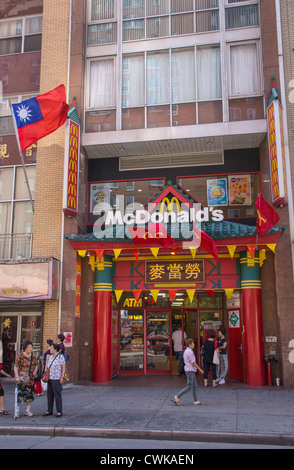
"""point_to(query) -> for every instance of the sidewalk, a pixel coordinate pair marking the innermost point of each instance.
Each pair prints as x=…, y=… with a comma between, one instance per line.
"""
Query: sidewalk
x=140, y=407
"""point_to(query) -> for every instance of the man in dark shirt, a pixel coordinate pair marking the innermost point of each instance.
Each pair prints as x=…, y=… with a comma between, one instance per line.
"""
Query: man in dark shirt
x=222, y=344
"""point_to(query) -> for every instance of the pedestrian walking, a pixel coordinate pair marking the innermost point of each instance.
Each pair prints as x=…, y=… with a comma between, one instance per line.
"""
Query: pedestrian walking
x=222, y=345
x=49, y=343
x=56, y=366
x=2, y=407
x=25, y=371
x=177, y=338
x=190, y=370
x=208, y=351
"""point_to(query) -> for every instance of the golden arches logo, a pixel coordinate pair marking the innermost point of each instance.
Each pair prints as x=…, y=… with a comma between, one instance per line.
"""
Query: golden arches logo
x=169, y=204
x=72, y=177
x=74, y=129
x=72, y=189
x=73, y=166
x=148, y=234
x=71, y=202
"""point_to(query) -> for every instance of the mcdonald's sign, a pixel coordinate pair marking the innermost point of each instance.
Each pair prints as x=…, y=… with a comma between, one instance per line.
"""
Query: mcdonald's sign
x=277, y=154
x=71, y=182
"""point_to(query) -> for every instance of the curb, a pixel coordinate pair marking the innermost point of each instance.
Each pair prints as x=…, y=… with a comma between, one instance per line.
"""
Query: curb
x=233, y=438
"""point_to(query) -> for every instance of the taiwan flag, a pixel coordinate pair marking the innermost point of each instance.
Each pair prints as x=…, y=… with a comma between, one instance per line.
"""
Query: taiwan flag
x=37, y=117
x=267, y=217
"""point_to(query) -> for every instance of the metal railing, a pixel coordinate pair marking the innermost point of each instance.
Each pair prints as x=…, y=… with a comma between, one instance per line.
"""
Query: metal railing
x=16, y=245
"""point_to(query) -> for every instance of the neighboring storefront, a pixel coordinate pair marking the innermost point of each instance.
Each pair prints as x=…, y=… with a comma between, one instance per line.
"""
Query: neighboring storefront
x=144, y=288
x=24, y=286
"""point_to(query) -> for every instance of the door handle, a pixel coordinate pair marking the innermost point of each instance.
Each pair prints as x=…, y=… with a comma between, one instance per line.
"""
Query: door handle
x=241, y=348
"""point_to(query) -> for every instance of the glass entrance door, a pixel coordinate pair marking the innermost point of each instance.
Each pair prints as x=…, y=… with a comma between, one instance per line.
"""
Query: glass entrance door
x=15, y=329
x=8, y=341
x=158, y=354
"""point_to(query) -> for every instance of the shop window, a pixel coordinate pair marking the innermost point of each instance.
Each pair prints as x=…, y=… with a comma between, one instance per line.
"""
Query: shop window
x=117, y=194
x=234, y=194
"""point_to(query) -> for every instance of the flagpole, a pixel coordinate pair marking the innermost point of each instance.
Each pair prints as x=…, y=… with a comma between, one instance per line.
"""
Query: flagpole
x=21, y=156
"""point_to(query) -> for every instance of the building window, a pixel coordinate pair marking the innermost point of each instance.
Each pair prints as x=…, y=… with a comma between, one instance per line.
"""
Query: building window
x=244, y=69
x=102, y=28
x=164, y=18
x=102, y=9
x=16, y=215
x=21, y=35
x=102, y=89
x=209, y=82
x=242, y=16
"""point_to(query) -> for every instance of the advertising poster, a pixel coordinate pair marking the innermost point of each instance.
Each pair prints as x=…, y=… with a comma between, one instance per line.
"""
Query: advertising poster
x=239, y=190
x=217, y=194
x=99, y=194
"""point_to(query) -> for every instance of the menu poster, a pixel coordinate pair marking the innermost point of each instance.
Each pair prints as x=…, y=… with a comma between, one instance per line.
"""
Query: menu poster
x=239, y=190
x=217, y=194
x=99, y=194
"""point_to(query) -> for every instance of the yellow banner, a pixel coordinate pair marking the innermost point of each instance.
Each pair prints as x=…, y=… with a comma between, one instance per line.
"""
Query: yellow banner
x=232, y=249
x=229, y=293
x=116, y=252
x=154, y=294
x=154, y=251
x=272, y=246
x=191, y=293
x=82, y=253
x=118, y=294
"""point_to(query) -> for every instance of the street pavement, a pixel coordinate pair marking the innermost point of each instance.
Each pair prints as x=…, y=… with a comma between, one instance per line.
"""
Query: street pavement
x=140, y=407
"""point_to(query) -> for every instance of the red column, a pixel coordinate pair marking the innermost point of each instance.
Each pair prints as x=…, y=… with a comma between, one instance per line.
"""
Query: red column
x=102, y=336
x=252, y=320
x=253, y=337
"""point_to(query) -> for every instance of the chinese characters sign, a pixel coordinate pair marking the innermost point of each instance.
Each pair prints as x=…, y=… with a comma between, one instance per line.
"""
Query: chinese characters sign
x=165, y=272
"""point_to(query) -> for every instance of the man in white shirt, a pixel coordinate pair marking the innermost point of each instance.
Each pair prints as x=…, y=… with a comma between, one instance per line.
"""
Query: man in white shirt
x=178, y=338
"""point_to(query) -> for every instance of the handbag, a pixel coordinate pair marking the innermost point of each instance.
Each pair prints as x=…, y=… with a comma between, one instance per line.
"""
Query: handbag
x=215, y=356
x=46, y=375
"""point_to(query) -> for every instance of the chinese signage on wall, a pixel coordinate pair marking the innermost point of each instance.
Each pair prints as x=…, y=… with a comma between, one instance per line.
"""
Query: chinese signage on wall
x=165, y=272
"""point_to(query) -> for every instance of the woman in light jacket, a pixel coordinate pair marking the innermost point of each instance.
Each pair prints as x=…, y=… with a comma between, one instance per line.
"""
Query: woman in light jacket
x=56, y=365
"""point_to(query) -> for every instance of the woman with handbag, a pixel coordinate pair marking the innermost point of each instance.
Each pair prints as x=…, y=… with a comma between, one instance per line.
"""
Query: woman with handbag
x=56, y=367
x=210, y=346
x=25, y=371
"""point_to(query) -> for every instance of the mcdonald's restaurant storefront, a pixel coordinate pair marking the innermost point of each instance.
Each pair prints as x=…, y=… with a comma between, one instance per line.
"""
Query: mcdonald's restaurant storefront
x=146, y=289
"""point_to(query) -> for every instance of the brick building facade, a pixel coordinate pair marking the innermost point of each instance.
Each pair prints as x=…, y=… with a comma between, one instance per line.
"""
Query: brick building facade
x=126, y=130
